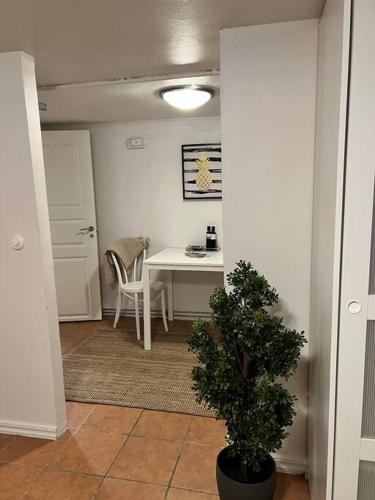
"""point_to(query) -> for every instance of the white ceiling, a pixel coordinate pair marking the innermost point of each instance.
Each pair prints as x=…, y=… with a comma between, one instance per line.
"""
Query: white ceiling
x=98, y=39
x=80, y=40
x=134, y=101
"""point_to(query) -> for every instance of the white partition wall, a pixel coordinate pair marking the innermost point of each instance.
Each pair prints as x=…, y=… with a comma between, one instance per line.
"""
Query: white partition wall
x=31, y=384
x=268, y=84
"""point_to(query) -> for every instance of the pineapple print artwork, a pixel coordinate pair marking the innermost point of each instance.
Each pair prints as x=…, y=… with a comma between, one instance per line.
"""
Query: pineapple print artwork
x=204, y=177
x=201, y=171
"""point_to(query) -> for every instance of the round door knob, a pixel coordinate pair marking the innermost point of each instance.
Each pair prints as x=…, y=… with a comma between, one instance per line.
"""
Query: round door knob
x=17, y=242
x=354, y=306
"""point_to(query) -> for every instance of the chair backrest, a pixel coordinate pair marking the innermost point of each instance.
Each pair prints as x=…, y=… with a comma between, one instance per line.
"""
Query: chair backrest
x=134, y=273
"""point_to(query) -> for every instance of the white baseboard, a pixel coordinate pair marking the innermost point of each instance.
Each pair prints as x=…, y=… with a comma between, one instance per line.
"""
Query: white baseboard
x=61, y=428
x=187, y=315
x=290, y=465
x=28, y=429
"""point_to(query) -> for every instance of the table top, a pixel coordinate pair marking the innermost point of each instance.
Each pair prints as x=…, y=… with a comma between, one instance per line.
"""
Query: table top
x=177, y=257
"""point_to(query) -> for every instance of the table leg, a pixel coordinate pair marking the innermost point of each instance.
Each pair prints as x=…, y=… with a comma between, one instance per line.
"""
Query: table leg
x=146, y=308
x=170, y=294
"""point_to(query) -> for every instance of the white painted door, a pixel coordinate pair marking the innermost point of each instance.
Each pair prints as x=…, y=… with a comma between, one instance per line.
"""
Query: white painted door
x=71, y=202
x=354, y=467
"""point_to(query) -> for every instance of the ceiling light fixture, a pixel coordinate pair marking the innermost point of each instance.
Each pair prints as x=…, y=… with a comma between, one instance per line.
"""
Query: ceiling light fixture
x=186, y=96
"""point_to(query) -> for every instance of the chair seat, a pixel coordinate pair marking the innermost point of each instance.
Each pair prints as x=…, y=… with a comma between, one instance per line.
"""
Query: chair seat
x=137, y=286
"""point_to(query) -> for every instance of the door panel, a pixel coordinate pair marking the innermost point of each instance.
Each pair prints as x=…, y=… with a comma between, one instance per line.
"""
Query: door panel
x=368, y=415
x=63, y=176
x=366, y=481
x=70, y=191
x=71, y=276
x=332, y=86
x=64, y=232
x=355, y=418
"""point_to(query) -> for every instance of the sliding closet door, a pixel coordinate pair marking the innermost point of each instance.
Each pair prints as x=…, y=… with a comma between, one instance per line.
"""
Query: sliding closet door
x=354, y=470
x=331, y=107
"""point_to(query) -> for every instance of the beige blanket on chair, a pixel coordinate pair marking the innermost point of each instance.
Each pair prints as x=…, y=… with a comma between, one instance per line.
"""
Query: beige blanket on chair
x=126, y=249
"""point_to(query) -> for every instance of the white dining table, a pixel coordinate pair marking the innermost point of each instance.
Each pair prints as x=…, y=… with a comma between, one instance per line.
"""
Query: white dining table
x=169, y=260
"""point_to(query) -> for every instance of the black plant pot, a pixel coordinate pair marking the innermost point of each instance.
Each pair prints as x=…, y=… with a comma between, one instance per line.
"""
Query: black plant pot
x=261, y=487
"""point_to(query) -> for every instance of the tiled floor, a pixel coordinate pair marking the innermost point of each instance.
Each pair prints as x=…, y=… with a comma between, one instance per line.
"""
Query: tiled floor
x=113, y=453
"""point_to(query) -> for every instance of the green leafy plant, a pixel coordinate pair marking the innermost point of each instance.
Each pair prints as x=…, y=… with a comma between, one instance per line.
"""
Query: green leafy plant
x=242, y=353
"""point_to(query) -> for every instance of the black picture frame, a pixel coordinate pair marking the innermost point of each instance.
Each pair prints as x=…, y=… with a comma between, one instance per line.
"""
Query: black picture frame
x=189, y=156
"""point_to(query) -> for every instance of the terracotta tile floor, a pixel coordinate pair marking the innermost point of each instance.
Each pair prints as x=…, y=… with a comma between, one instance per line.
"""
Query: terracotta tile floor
x=114, y=453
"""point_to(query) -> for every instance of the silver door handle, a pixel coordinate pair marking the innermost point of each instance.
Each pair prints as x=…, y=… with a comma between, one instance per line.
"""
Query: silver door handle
x=88, y=229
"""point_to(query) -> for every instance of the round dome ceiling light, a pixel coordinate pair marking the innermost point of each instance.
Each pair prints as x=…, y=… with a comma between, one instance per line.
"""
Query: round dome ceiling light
x=187, y=96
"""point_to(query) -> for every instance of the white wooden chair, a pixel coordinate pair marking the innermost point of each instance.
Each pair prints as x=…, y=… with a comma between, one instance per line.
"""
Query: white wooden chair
x=129, y=286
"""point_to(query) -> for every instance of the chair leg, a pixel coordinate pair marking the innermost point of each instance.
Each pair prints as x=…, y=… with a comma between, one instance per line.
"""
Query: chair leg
x=136, y=303
x=118, y=309
x=163, y=310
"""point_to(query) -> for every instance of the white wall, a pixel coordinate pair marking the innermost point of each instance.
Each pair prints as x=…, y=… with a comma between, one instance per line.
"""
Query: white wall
x=140, y=192
x=268, y=83
x=31, y=385
x=334, y=30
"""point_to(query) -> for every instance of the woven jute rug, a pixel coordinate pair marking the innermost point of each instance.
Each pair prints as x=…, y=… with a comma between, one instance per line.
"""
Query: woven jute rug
x=111, y=367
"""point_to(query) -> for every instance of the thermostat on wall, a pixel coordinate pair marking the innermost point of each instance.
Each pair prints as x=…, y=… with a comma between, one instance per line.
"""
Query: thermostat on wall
x=136, y=142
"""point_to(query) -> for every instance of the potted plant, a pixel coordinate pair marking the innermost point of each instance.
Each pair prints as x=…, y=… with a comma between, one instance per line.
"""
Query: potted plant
x=242, y=354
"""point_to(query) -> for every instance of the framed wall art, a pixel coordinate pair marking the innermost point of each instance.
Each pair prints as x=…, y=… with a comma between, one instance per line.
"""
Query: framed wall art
x=201, y=171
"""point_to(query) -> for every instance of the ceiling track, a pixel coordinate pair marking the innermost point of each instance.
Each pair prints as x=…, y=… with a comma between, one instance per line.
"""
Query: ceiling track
x=129, y=80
